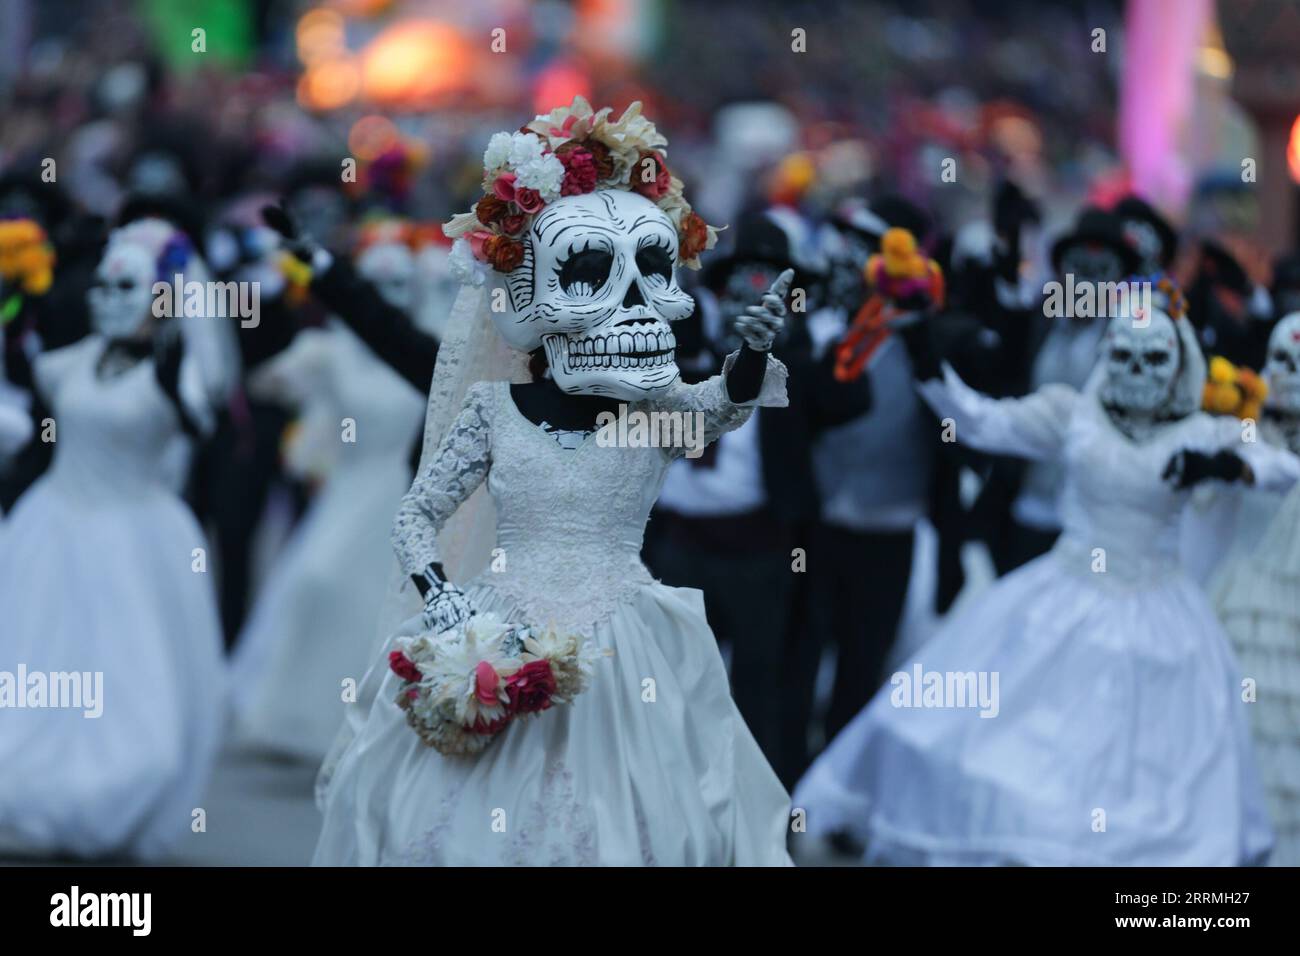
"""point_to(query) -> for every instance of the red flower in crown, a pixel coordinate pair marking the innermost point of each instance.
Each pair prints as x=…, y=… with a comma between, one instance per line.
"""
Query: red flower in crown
x=579, y=172
x=651, y=177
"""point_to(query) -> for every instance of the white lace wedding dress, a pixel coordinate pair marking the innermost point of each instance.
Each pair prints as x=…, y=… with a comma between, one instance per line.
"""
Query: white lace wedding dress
x=653, y=763
x=1118, y=735
x=98, y=574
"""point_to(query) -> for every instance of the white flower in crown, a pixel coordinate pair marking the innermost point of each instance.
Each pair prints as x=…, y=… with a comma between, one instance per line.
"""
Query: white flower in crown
x=497, y=153
x=564, y=123
x=544, y=174
x=628, y=137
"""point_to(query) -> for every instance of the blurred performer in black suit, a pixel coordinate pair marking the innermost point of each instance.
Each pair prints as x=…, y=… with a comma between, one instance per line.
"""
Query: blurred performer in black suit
x=729, y=522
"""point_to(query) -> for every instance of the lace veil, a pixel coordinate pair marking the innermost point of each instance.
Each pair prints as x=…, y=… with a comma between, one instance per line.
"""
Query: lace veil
x=471, y=351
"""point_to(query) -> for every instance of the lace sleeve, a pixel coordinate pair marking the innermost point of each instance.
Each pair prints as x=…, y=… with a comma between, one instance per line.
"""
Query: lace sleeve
x=458, y=467
x=1030, y=427
x=717, y=412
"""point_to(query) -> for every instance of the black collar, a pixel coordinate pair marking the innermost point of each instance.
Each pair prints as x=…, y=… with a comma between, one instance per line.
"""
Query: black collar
x=134, y=348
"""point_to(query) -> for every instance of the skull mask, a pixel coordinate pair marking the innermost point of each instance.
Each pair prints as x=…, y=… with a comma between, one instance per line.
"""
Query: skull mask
x=597, y=290
x=1142, y=363
x=122, y=292
x=1282, y=371
x=391, y=267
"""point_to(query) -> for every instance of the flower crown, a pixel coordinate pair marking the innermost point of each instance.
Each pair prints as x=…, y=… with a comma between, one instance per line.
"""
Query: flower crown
x=570, y=151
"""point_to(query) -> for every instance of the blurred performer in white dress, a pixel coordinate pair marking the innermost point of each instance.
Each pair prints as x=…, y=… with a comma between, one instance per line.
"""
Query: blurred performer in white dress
x=1257, y=595
x=112, y=648
x=310, y=632
x=1086, y=709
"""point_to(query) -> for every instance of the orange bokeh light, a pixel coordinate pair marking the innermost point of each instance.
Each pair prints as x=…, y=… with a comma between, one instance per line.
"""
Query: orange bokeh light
x=329, y=84
x=371, y=136
x=414, y=64
x=1293, y=151
x=319, y=36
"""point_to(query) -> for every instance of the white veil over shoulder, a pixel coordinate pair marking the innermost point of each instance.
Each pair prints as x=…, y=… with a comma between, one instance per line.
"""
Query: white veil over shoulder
x=471, y=351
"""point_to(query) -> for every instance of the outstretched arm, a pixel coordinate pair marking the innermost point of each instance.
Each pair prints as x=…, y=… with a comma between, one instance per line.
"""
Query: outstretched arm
x=385, y=329
x=1029, y=427
x=1254, y=463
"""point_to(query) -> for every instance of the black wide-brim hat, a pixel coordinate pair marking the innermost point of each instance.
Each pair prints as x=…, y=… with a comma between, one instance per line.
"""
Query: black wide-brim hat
x=1135, y=207
x=1097, y=227
x=1217, y=266
x=760, y=240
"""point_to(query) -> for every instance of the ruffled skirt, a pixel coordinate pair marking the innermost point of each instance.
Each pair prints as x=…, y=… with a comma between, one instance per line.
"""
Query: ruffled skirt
x=651, y=765
x=1258, y=599
x=311, y=628
x=1111, y=732
x=109, y=590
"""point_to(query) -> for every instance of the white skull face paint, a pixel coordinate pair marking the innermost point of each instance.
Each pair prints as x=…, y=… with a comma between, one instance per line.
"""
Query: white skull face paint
x=391, y=267
x=1282, y=370
x=597, y=289
x=1141, y=363
x=122, y=293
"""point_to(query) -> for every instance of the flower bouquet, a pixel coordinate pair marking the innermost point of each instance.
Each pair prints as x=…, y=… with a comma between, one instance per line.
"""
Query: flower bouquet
x=460, y=688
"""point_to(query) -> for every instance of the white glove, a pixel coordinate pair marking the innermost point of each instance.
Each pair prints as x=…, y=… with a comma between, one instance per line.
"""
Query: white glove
x=761, y=324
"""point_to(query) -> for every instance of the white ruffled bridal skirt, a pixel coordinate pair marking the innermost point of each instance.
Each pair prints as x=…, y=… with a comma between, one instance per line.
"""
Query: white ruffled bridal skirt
x=651, y=765
x=107, y=588
x=1120, y=736
x=1258, y=599
x=313, y=625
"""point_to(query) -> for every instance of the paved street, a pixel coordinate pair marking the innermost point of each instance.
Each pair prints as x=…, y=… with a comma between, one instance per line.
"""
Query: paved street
x=259, y=813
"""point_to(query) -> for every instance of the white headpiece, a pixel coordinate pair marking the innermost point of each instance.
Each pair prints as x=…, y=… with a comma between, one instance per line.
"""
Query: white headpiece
x=138, y=257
